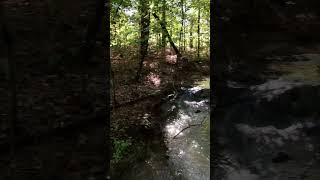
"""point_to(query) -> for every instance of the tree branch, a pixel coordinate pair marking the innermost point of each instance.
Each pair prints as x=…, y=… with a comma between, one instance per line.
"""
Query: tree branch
x=189, y=126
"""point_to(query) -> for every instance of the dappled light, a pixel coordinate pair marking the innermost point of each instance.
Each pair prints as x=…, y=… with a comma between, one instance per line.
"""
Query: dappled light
x=175, y=127
x=159, y=47
x=196, y=104
x=171, y=59
x=188, y=135
x=154, y=79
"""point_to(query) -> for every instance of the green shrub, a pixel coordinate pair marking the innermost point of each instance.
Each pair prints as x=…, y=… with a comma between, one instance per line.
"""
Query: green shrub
x=120, y=148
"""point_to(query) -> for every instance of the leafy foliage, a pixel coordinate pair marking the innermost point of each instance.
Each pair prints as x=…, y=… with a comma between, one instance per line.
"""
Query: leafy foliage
x=125, y=23
x=120, y=148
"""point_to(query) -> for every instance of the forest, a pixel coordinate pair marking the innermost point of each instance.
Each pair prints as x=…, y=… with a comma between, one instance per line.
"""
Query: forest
x=159, y=88
x=65, y=64
x=84, y=83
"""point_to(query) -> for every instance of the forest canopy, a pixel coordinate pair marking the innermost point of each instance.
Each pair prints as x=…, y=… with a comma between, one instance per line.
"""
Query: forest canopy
x=187, y=22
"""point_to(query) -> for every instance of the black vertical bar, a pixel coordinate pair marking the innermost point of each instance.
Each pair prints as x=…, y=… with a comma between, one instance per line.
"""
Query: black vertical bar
x=12, y=88
x=108, y=78
x=212, y=86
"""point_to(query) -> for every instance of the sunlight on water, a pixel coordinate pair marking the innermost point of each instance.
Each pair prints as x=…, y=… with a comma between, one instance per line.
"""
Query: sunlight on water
x=187, y=156
x=294, y=74
x=301, y=71
x=204, y=84
x=188, y=137
x=176, y=126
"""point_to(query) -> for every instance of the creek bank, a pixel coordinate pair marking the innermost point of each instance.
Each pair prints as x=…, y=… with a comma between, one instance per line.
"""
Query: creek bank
x=176, y=153
x=142, y=121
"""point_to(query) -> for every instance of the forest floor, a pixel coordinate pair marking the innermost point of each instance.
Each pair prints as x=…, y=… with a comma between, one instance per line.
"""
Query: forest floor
x=139, y=122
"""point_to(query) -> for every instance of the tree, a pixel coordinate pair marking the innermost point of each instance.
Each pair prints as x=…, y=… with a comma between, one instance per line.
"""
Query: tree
x=191, y=34
x=163, y=10
x=144, y=10
x=163, y=26
x=198, y=50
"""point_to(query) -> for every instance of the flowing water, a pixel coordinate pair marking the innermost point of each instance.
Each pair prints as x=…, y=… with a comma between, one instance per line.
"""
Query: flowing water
x=187, y=137
x=266, y=137
x=188, y=134
x=296, y=70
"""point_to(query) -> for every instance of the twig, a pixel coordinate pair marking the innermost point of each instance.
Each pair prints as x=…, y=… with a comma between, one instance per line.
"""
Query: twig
x=189, y=126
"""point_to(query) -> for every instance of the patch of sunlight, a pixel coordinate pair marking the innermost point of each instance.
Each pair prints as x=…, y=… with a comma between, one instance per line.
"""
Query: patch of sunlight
x=146, y=116
x=294, y=74
x=181, y=152
x=273, y=88
x=172, y=108
x=196, y=104
x=173, y=130
x=300, y=71
x=154, y=65
x=184, y=117
x=129, y=11
x=272, y=136
x=154, y=79
x=204, y=84
x=175, y=127
x=205, y=128
x=195, y=89
x=171, y=59
x=195, y=144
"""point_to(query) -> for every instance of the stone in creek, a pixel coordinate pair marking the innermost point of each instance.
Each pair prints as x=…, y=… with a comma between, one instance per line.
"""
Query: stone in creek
x=197, y=111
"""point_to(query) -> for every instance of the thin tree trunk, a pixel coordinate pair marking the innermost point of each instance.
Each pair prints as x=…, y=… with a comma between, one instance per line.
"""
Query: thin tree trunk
x=191, y=34
x=182, y=24
x=163, y=26
x=145, y=32
x=198, y=54
x=13, y=91
x=184, y=38
x=180, y=38
x=181, y=28
x=164, y=22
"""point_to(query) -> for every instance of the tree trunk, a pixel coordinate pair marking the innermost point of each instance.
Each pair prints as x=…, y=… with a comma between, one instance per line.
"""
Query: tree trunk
x=182, y=25
x=198, y=54
x=145, y=32
x=181, y=28
x=184, y=38
x=163, y=31
x=191, y=34
x=163, y=26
